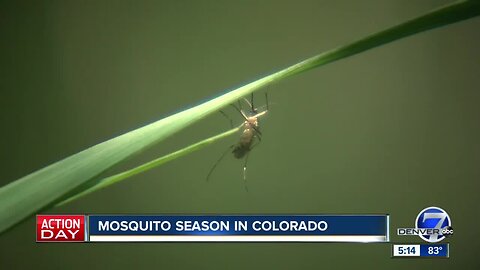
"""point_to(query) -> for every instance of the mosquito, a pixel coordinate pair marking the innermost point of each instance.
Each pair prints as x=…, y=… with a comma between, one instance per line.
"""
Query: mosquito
x=250, y=132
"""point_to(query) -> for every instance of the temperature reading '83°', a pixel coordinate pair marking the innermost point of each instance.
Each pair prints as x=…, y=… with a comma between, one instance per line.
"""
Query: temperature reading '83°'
x=434, y=250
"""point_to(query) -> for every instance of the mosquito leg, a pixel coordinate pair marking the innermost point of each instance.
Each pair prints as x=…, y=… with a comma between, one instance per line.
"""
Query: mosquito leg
x=217, y=162
x=226, y=116
x=255, y=144
x=248, y=102
x=259, y=136
x=251, y=103
x=245, y=165
x=260, y=114
x=266, y=99
x=257, y=130
x=240, y=111
x=245, y=172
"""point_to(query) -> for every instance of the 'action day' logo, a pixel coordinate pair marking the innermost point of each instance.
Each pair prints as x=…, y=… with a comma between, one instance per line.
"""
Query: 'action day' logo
x=432, y=224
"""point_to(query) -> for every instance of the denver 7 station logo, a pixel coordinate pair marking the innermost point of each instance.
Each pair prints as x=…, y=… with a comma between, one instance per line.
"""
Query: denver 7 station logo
x=432, y=224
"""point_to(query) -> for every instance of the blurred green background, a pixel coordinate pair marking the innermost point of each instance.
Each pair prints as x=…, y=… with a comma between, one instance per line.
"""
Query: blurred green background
x=392, y=130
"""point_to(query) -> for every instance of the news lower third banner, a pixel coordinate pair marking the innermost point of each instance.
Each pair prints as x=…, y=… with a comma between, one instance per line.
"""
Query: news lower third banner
x=213, y=228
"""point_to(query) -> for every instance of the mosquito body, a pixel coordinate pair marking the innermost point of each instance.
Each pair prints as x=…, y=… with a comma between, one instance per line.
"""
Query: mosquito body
x=249, y=136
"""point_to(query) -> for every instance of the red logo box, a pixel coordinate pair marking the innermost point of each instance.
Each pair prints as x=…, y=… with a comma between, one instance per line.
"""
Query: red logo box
x=60, y=228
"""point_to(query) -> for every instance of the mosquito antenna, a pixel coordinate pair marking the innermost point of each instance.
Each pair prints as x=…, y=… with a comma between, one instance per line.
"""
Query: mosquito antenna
x=217, y=162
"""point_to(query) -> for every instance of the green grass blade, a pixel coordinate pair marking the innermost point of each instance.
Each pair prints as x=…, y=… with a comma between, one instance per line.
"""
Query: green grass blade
x=108, y=181
x=45, y=187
